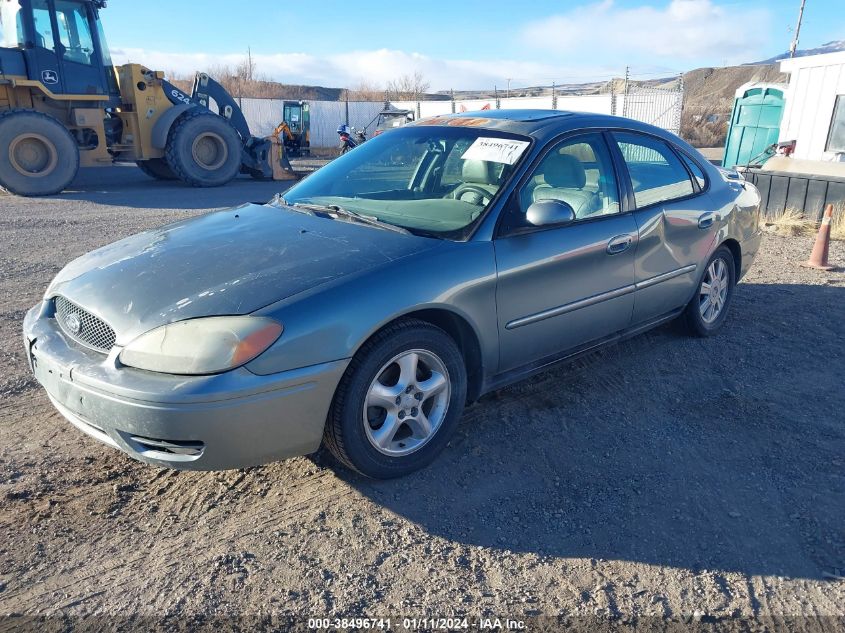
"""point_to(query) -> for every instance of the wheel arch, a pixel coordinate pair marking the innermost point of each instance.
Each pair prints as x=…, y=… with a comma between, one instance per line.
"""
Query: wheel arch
x=459, y=329
x=161, y=128
x=736, y=250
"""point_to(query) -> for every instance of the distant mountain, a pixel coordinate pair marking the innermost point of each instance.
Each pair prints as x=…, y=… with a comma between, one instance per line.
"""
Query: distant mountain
x=836, y=46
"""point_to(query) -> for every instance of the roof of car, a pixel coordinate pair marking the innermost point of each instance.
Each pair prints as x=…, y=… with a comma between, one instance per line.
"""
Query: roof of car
x=539, y=124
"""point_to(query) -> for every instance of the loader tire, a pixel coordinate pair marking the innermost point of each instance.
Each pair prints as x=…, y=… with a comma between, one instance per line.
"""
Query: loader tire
x=157, y=168
x=38, y=156
x=203, y=149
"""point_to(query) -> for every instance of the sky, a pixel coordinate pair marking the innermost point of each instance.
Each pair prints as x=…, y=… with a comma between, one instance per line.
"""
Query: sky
x=461, y=44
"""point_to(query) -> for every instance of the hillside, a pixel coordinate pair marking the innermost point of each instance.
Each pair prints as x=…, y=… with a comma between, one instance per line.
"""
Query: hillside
x=708, y=99
x=836, y=46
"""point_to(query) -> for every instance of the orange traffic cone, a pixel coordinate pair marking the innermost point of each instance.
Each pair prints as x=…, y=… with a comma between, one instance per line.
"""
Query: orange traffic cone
x=818, y=258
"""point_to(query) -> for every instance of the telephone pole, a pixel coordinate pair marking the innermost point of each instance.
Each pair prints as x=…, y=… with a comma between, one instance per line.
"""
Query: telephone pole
x=794, y=45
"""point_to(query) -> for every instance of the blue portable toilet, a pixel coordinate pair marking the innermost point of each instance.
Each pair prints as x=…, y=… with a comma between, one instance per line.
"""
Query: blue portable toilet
x=755, y=123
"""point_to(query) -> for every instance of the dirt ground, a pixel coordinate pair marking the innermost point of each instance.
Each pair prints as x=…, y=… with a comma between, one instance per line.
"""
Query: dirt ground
x=665, y=478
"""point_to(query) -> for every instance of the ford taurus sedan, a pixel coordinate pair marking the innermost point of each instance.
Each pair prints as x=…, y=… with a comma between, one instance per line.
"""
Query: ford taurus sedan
x=368, y=305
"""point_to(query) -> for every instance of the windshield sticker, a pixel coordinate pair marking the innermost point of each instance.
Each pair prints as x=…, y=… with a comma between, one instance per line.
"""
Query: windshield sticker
x=496, y=150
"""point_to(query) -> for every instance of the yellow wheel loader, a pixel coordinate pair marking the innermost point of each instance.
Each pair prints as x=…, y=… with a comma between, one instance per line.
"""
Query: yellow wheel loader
x=63, y=104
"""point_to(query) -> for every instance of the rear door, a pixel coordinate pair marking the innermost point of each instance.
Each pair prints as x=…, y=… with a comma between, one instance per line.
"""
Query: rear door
x=676, y=225
x=562, y=287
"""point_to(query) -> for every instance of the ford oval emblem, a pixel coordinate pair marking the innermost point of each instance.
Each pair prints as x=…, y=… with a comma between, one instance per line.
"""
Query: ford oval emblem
x=73, y=323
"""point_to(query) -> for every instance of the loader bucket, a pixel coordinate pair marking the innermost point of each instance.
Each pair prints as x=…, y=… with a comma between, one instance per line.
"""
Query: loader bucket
x=282, y=169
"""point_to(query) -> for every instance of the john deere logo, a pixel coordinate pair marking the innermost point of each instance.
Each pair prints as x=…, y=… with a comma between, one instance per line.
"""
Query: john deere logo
x=73, y=323
x=49, y=77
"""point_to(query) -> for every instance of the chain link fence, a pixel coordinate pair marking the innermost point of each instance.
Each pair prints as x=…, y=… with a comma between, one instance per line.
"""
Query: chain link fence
x=657, y=106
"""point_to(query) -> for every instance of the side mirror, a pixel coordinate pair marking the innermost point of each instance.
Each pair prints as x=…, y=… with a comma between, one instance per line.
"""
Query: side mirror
x=550, y=212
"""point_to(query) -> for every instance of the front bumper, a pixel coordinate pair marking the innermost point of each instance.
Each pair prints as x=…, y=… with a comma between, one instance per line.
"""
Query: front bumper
x=229, y=420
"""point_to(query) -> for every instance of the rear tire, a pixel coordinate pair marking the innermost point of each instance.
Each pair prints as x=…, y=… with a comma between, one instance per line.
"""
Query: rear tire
x=203, y=149
x=706, y=312
x=382, y=434
x=38, y=156
x=157, y=168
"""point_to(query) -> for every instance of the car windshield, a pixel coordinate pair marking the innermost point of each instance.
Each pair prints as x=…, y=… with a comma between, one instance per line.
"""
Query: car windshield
x=432, y=180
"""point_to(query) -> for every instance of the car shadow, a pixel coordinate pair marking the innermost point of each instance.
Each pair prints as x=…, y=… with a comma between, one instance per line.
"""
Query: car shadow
x=128, y=186
x=721, y=454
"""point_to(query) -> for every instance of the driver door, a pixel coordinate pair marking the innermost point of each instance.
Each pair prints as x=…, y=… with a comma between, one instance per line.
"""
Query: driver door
x=562, y=287
x=41, y=52
x=63, y=51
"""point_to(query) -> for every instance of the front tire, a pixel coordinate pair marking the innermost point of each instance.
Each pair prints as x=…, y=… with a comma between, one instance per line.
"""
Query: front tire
x=156, y=168
x=203, y=149
x=398, y=402
x=38, y=156
x=707, y=310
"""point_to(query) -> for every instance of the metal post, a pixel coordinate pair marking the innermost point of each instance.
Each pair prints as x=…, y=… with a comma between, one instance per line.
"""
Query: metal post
x=625, y=92
x=347, y=106
x=554, y=96
x=679, y=109
x=613, y=96
x=452, y=98
x=386, y=100
x=794, y=45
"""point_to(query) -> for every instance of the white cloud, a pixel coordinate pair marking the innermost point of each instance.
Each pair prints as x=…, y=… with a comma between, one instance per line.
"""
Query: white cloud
x=375, y=66
x=680, y=30
x=589, y=42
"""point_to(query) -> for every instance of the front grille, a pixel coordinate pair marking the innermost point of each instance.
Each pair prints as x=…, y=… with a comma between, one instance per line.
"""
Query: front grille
x=84, y=327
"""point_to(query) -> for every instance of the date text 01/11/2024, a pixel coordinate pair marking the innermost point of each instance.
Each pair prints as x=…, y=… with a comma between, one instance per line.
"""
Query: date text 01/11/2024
x=418, y=624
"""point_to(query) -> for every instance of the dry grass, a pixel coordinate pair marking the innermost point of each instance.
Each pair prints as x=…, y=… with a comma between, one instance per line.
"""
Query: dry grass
x=789, y=222
x=837, y=223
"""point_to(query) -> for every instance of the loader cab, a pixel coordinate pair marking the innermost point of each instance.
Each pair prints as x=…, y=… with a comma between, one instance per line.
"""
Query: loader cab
x=59, y=43
x=296, y=115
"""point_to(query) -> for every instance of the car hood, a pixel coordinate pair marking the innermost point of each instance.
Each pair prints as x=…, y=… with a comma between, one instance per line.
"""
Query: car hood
x=227, y=262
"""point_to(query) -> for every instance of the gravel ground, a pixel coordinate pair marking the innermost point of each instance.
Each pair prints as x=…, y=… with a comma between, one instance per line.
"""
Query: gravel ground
x=661, y=479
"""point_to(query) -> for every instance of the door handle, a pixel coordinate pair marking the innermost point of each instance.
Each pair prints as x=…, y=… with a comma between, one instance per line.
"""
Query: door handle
x=619, y=244
x=705, y=221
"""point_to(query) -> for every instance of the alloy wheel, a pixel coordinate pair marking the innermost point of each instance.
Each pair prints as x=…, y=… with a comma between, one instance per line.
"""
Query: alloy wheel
x=713, y=291
x=406, y=402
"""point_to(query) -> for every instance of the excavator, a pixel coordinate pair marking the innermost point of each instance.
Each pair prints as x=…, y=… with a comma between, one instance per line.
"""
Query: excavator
x=63, y=104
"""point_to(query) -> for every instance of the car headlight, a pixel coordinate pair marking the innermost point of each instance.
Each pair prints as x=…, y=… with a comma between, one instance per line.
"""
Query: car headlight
x=202, y=346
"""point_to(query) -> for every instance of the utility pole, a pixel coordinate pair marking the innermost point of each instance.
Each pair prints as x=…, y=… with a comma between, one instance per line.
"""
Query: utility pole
x=794, y=45
x=508, y=94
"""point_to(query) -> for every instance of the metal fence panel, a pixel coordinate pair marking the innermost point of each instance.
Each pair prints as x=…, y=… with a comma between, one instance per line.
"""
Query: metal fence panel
x=657, y=106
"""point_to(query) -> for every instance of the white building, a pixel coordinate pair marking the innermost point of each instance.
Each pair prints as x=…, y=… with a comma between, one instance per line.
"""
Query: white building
x=814, y=116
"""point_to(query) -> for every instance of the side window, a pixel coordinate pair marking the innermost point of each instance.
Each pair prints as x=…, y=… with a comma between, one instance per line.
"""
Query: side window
x=579, y=172
x=836, y=136
x=74, y=32
x=43, y=25
x=695, y=170
x=657, y=174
